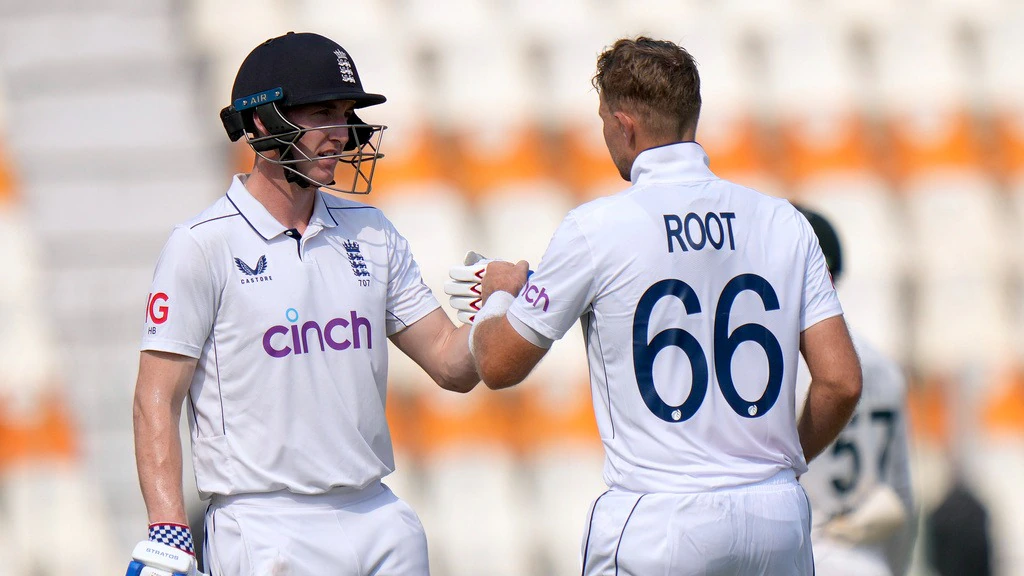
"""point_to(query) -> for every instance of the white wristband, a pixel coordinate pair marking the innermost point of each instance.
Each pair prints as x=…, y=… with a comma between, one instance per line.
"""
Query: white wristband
x=497, y=304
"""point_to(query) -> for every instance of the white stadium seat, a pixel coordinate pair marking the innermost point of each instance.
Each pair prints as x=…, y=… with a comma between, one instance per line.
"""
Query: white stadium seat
x=871, y=228
x=958, y=220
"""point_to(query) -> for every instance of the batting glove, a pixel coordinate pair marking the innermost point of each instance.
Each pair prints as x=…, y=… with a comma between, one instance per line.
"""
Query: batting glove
x=879, y=515
x=156, y=559
x=168, y=552
x=463, y=288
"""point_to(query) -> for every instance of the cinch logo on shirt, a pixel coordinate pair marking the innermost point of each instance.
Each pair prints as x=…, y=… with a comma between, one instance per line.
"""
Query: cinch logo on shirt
x=536, y=296
x=337, y=334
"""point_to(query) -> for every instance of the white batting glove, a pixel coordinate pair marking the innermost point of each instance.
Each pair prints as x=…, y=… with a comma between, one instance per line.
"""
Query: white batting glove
x=156, y=559
x=879, y=515
x=464, y=287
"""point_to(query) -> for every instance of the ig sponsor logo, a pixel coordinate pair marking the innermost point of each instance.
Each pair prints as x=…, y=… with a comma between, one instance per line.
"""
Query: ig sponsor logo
x=156, y=310
x=303, y=338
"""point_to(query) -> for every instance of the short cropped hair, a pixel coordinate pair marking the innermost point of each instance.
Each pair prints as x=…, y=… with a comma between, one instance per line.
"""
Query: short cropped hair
x=656, y=79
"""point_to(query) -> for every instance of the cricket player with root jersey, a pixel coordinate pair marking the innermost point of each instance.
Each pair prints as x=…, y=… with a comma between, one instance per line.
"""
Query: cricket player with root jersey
x=269, y=313
x=859, y=487
x=697, y=297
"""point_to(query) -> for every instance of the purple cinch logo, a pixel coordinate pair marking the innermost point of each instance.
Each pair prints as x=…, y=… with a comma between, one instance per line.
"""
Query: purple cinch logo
x=536, y=296
x=337, y=334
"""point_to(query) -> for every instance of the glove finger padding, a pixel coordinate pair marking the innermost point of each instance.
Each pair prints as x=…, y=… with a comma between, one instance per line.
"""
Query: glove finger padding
x=464, y=286
x=460, y=288
x=472, y=270
x=471, y=273
x=465, y=303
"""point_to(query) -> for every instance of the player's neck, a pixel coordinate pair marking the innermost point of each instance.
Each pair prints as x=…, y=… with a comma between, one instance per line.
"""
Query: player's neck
x=288, y=203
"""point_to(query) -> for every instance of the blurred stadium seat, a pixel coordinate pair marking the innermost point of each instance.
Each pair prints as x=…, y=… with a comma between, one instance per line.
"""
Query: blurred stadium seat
x=829, y=163
x=46, y=495
x=901, y=121
x=732, y=122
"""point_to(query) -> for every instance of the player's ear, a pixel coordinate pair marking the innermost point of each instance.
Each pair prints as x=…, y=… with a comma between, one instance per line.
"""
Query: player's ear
x=261, y=129
x=627, y=125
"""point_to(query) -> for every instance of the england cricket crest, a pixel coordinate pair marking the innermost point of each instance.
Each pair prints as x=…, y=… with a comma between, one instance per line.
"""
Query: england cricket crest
x=355, y=258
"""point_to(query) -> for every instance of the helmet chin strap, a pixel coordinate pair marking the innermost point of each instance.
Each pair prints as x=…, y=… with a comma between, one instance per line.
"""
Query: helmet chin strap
x=300, y=181
x=293, y=176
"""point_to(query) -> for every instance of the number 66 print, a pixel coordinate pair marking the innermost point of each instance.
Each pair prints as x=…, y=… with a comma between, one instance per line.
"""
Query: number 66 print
x=725, y=345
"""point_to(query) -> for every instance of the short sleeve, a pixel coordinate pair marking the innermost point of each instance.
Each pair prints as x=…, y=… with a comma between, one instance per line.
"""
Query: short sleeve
x=182, y=302
x=820, y=300
x=409, y=299
x=561, y=287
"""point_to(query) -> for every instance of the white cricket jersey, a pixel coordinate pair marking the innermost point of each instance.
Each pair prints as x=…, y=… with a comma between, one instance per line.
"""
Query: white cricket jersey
x=290, y=336
x=693, y=292
x=871, y=450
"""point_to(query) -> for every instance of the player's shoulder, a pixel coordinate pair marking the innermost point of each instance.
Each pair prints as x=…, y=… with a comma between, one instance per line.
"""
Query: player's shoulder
x=775, y=206
x=201, y=232
x=222, y=212
x=344, y=208
x=597, y=206
x=613, y=207
x=338, y=203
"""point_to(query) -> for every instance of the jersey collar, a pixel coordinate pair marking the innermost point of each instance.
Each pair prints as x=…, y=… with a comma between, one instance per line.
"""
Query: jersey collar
x=677, y=162
x=261, y=220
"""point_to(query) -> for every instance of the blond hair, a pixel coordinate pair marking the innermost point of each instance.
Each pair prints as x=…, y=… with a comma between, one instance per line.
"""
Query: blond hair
x=655, y=79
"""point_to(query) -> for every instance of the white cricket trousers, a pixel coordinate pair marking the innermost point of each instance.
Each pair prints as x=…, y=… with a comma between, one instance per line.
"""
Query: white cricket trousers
x=341, y=533
x=759, y=529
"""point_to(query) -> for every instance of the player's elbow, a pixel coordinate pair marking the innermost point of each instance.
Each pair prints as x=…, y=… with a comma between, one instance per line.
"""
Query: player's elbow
x=458, y=376
x=501, y=383
x=498, y=381
x=460, y=384
x=848, y=385
x=496, y=376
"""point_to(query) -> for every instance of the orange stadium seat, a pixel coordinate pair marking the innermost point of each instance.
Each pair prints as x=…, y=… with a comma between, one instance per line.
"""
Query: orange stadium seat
x=585, y=167
x=926, y=140
x=474, y=488
x=817, y=90
x=1004, y=89
x=8, y=186
x=45, y=435
x=927, y=405
x=412, y=156
x=955, y=215
x=828, y=145
x=829, y=162
x=1009, y=135
x=998, y=461
x=735, y=148
x=488, y=158
x=1003, y=411
x=561, y=446
x=732, y=125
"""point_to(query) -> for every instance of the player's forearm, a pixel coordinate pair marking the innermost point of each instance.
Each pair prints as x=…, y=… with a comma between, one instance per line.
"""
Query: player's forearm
x=159, y=461
x=458, y=372
x=498, y=364
x=827, y=411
